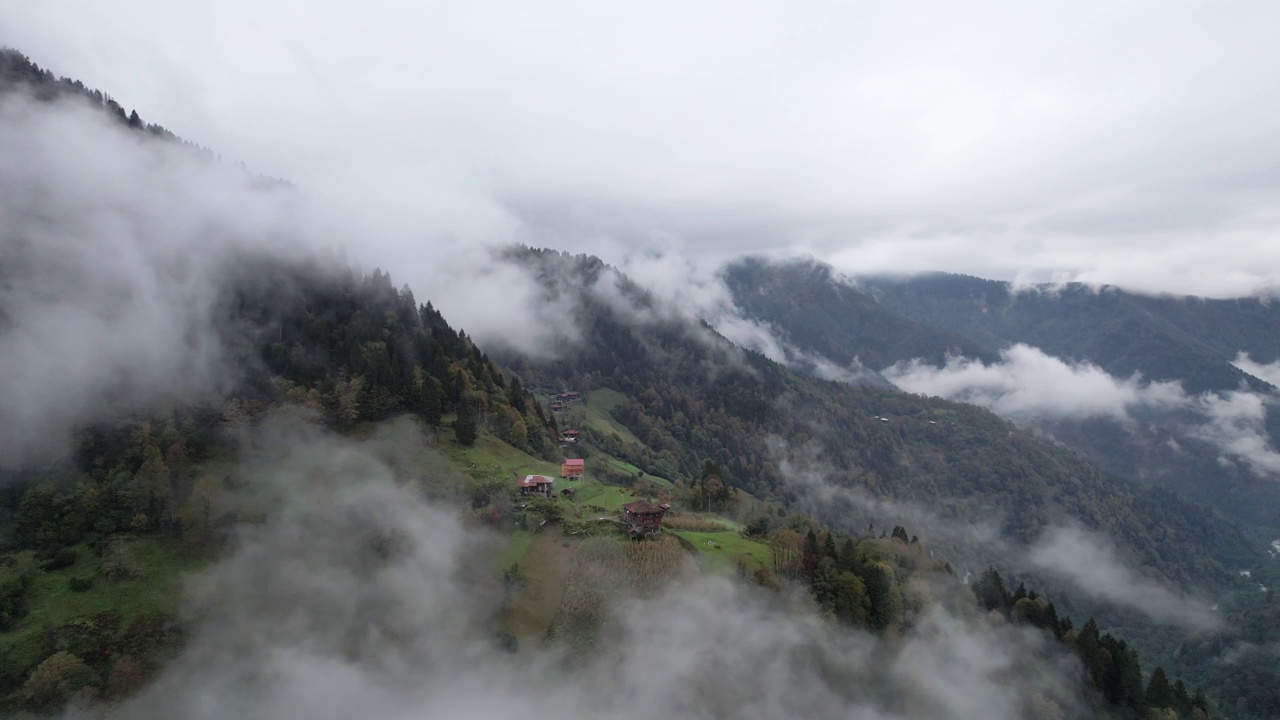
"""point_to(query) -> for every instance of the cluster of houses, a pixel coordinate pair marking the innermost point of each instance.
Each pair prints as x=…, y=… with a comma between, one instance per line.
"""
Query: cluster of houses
x=640, y=518
x=544, y=486
x=564, y=400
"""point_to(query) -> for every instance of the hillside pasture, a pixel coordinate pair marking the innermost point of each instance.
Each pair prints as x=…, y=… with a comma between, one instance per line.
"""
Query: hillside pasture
x=721, y=551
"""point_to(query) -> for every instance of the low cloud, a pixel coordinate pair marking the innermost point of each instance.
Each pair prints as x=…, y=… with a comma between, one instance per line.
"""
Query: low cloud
x=1090, y=563
x=695, y=292
x=1085, y=560
x=1028, y=385
x=358, y=597
x=1269, y=372
x=114, y=253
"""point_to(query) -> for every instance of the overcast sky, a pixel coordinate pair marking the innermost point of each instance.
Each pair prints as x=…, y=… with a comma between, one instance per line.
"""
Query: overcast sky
x=1130, y=143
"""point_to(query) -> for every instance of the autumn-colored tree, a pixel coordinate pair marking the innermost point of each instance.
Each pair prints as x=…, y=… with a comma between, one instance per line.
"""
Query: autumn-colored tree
x=56, y=680
x=127, y=675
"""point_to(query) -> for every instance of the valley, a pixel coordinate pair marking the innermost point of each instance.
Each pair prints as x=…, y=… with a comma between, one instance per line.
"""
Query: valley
x=276, y=482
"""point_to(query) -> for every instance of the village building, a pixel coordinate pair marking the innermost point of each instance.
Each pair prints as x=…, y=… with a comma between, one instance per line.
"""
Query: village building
x=539, y=485
x=569, y=396
x=643, y=518
x=569, y=492
x=573, y=468
x=570, y=437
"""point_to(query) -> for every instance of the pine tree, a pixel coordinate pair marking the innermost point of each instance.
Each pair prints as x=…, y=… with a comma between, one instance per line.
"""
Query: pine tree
x=464, y=425
x=1159, y=693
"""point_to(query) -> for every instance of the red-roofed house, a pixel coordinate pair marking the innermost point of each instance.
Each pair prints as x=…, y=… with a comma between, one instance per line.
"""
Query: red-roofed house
x=536, y=485
x=573, y=468
x=570, y=436
x=643, y=517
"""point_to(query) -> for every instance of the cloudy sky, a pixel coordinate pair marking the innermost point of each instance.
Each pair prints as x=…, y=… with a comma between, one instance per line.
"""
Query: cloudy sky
x=1130, y=143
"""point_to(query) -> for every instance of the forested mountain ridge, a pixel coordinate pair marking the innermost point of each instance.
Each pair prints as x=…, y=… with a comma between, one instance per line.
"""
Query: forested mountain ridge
x=803, y=301
x=18, y=74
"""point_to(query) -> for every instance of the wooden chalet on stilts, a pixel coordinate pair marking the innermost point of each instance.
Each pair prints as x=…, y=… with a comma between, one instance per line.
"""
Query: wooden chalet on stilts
x=643, y=518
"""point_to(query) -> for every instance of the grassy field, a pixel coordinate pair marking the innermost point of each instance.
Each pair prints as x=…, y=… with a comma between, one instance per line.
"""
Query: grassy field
x=609, y=497
x=55, y=607
x=600, y=406
x=721, y=551
x=490, y=458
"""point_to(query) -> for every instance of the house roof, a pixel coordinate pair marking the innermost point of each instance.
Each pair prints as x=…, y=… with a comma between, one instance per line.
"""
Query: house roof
x=535, y=480
x=570, y=432
x=642, y=507
x=575, y=462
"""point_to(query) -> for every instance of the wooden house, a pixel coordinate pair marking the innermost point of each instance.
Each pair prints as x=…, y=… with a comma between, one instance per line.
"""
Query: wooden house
x=643, y=518
x=539, y=485
x=573, y=468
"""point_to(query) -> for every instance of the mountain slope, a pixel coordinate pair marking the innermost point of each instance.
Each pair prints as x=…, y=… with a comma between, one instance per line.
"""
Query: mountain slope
x=1190, y=340
x=808, y=306
x=694, y=397
x=296, y=474
x=1170, y=444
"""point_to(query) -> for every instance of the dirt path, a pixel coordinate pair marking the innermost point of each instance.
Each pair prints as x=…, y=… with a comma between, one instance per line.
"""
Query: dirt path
x=545, y=567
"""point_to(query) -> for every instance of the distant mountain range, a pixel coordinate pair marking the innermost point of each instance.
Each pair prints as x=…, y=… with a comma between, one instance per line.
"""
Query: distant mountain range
x=1176, y=357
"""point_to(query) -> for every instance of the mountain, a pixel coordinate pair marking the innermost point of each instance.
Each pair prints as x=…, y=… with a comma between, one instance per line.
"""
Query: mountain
x=810, y=307
x=1194, y=341
x=337, y=474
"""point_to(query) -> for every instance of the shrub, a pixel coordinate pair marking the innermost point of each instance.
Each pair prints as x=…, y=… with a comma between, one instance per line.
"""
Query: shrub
x=119, y=562
x=79, y=584
x=64, y=558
